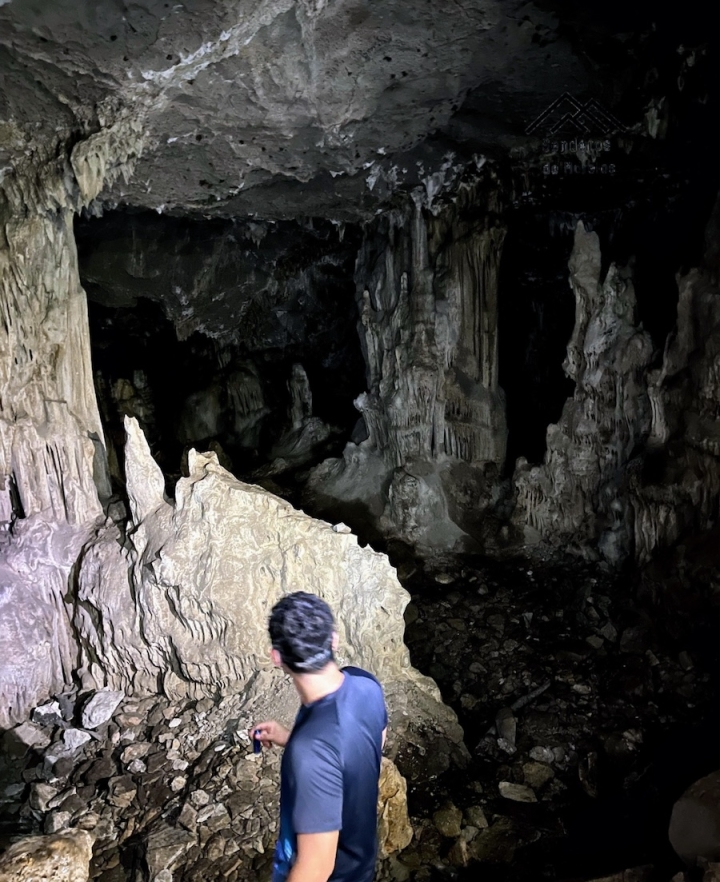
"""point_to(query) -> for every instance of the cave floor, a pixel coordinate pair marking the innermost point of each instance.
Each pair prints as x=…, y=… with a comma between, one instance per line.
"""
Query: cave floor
x=568, y=687
x=586, y=714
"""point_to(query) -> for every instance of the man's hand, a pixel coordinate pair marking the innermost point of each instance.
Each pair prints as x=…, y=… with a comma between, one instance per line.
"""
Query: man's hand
x=316, y=853
x=270, y=732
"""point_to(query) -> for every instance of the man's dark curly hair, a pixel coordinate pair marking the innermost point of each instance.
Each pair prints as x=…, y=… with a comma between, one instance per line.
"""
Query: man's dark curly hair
x=301, y=628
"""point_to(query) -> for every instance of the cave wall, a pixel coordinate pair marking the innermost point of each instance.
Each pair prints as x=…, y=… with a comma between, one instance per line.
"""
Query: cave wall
x=176, y=597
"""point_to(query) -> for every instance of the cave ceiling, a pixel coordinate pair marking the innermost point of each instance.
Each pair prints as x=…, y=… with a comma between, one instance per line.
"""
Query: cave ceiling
x=287, y=108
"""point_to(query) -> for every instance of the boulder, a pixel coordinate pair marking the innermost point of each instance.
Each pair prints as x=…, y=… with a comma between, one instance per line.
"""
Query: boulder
x=394, y=829
x=447, y=820
x=63, y=857
x=100, y=708
x=695, y=822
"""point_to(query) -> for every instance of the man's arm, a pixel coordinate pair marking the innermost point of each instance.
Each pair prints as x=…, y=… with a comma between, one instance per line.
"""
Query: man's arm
x=316, y=854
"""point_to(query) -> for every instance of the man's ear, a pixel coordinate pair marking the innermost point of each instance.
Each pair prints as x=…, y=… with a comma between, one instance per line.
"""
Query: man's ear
x=335, y=641
x=276, y=659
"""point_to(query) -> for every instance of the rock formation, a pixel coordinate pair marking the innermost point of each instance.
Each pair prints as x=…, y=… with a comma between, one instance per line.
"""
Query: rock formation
x=579, y=496
x=64, y=857
x=394, y=831
x=350, y=164
x=433, y=410
x=115, y=610
x=53, y=468
x=183, y=599
x=680, y=495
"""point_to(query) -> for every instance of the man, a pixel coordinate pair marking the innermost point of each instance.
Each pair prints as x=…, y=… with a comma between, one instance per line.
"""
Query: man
x=331, y=764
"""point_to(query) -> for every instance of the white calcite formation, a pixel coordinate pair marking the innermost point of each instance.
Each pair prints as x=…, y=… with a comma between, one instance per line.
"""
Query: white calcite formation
x=594, y=492
x=578, y=498
x=184, y=600
x=433, y=411
x=50, y=426
x=179, y=599
x=53, y=467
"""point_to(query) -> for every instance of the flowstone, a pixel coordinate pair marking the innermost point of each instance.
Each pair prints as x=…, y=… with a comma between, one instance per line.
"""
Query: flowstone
x=184, y=601
x=684, y=441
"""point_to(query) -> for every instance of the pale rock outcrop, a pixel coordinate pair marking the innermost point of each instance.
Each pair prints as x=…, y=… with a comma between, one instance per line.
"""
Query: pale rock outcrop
x=578, y=498
x=394, y=829
x=62, y=857
x=38, y=652
x=53, y=466
x=427, y=293
x=184, y=601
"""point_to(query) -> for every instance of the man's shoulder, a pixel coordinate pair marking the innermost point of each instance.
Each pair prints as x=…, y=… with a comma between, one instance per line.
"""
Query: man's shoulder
x=360, y=674
x=363, y=684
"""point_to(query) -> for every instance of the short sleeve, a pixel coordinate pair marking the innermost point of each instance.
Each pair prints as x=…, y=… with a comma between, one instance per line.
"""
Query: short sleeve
x=319, y=790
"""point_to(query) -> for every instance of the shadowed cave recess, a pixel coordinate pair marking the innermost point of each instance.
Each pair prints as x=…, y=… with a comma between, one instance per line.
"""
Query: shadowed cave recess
x=415, y=309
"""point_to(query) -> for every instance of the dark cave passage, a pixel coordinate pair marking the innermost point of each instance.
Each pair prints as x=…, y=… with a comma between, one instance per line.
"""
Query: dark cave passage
x=270, y=372
x=537, y=314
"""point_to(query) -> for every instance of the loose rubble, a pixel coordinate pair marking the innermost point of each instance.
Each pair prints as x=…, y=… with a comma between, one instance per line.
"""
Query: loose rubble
x=165, y=790
x=561, y=684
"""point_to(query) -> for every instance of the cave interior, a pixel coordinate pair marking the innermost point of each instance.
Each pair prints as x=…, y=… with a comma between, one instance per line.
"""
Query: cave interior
x=443, y=280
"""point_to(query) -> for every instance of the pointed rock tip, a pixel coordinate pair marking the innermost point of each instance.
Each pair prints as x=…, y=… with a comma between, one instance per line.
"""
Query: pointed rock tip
x=145, y=482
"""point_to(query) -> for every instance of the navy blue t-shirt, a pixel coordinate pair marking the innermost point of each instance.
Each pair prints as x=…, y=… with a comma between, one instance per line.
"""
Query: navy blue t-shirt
x=329, y=777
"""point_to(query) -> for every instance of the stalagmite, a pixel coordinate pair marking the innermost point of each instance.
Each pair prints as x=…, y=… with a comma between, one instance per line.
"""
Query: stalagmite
x=428, y=325
x=685, y=432
x=578, y=497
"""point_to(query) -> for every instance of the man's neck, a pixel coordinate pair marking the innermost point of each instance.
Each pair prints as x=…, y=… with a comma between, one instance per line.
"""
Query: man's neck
x=312, y=687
